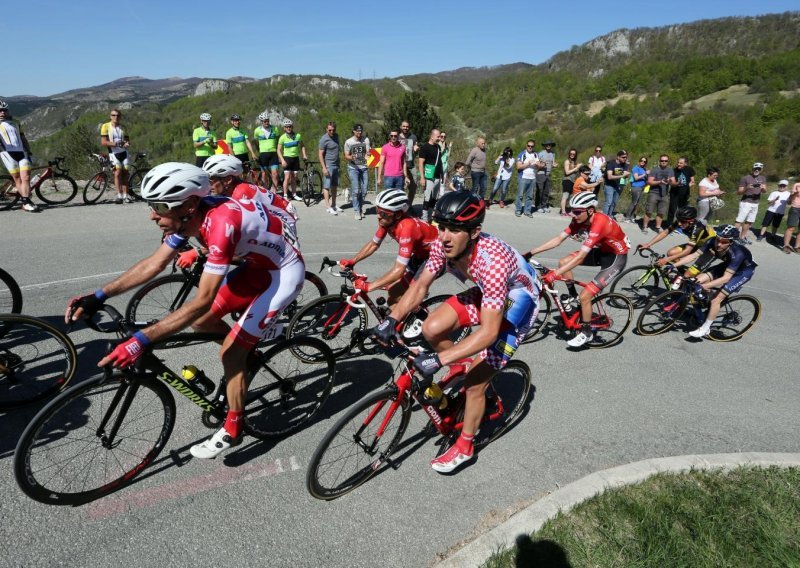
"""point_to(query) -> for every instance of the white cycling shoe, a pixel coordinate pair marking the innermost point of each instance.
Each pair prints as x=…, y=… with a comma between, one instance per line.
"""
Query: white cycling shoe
x=215, y=445
x=580, y=340
x=701, y=331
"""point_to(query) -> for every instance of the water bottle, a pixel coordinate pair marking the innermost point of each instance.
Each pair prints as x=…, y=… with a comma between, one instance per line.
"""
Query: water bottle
x=34, y=179
x=435, y=391
x=197, y=379
x=677, y=282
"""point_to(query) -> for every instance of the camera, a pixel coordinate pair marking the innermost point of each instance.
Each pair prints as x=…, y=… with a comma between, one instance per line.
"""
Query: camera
x=756, y=186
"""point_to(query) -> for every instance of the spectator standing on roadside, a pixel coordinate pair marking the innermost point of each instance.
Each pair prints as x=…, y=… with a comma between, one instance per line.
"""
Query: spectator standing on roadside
x=430, y=173
x=582, y=182
x=505, y=167
x=777, y=206
x=661, y=178
x=114, y=139
x=204, y=140
x=356, y=150
x=409, y=140
x=329, y=160
x=639, y=175
x=571, y=172
x=446, y=147
x=527, y=165
x=597, y=164
x=267, y=137
x=476, y=162
x=679, y=193
x=706, y=189
x=792, y=221
x=543, y=182
x=751, y=187
x=238, y=142
x=16, y=155
x=392, y=167
x=290, y=146
x=617, y=173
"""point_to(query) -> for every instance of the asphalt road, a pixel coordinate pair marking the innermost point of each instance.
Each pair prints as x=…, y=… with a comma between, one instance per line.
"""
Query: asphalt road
x=647, y=397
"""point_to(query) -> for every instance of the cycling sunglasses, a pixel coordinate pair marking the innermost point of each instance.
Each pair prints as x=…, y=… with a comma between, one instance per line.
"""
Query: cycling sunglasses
x=164, y=207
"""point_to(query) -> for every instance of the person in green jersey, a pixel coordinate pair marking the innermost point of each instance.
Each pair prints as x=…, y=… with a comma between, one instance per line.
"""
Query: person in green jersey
x=238, y=142
x=290, y=144
x=267, y=137
x=204, y=140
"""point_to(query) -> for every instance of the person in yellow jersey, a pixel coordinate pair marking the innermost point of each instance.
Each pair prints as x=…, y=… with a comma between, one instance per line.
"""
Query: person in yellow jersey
x=290, y=145
x=267, y=136
x=237, y=140
x=114, y=139
x=204, y=140
x=16, y=155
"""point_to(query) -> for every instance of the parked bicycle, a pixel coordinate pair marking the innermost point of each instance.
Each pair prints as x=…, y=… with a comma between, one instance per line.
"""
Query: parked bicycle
x=611, y=313
x=99, y=435
x=136, y=172
x=337, y=317
x=51, y=184
x=690, y=303
x=363, y=441
x=10, y=294
x=103, y=179
x=310, y=183
x=37, y=360
x=643, y=282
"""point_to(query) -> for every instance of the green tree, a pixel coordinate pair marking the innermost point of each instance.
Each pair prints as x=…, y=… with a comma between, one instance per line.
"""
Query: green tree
x=414, y=108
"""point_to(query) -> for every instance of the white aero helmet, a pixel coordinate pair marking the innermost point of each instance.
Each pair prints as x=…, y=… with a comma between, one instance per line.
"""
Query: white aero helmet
x=175, y=181
x=758, y=166
x=263, y=116
x=287, y=122
x=583, y=200
x=223, y=165
x=392, y=200
x=205, y=116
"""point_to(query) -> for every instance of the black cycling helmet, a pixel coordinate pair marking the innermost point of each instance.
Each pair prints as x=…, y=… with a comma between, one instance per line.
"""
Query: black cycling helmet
x=236, y=117
x=727, y=232
x=686, y=213
x=460, y=209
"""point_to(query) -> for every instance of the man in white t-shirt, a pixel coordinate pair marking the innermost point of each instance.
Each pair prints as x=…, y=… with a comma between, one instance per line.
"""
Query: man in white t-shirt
x=777, y=207
x=528, y=164
x=597, y=162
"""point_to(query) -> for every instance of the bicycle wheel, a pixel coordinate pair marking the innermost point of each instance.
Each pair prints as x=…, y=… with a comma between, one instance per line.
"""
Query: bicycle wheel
x=10, y=294
x=639, y=284
x=135, y=184
x=8, y=193
x=159, y=298
x=36, y=360
x=661, y=313
x=330, y=318
x=545, y=307
x=285, y=392
x=313, y=288
x=310, y=182
x=611, y=316
x=359, y=445
x=93, y=439
x=95, y=188
x=57, y=190
x=736, y=316
x=411, y=330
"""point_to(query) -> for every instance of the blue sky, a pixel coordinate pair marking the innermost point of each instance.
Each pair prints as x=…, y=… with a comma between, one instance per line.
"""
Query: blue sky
x=51, y=46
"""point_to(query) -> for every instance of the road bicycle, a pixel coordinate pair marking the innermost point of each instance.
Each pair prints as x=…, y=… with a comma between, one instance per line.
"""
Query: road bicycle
x=51, y=183
x=102, y=180
x=10, y=294
x=99, y=435
x=689, y=302
x=337, y=317
x=362, y=442
x=643, y=282
x=611, y=313
x=309, y=182
x=37, y=360
x=137, y=170
x=165, y=294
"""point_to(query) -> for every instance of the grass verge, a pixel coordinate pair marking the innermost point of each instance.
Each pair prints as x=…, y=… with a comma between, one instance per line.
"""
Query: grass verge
x=744, y=517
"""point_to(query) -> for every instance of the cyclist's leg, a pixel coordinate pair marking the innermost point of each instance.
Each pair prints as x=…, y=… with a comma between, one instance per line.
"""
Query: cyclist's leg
x=611, y=265
x=460, y=310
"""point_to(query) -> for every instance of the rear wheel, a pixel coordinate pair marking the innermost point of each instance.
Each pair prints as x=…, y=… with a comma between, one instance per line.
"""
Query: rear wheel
x=95, y=187
x=736, y=316
x=135, y=184
x=331, y=319
x=639, y=284
x=8, y=193
x=312, y=180
x=157, y=299
x=57, y=189
x=611, y=316
x=10, y=294
x=661, y=313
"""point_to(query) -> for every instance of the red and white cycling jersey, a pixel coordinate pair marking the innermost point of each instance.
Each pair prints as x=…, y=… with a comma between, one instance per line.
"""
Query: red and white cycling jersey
x=415, y=238
x=274, y=203
x=496, y=267
x=604, y=233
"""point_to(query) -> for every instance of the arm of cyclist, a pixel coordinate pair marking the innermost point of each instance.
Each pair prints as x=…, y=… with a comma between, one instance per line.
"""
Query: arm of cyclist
x=551, y=244
x=658, y=238
x=394, y=275
x=366, y=251
x=303, y=150
x=408, y=302
x=670, y=259
x=687, y=260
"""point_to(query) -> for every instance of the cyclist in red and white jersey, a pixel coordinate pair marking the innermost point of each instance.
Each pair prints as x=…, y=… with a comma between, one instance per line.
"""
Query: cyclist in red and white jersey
x=606, y=246
x=269, y=279
x=414, y=236
x=504, y=302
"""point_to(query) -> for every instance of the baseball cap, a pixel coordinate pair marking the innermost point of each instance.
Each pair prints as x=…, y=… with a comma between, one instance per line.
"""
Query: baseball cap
x=357, y=127
x=783, y=182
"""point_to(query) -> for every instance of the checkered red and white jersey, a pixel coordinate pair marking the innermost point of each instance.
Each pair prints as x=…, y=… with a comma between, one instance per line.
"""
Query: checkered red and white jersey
x=495, y=266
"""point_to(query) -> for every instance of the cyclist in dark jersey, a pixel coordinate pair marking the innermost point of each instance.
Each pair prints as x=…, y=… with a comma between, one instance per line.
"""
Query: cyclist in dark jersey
x=504, y=302
x=686, y=221
x=606, y=246
x=735, y=269
x=414, y=237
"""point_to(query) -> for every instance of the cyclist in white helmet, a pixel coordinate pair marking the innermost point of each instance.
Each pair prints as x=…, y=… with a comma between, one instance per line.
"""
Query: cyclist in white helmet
x=204, y=140
x=267, y=136
x=15, y=153
x=413, y=235
x=290, y=145
x=260, y=288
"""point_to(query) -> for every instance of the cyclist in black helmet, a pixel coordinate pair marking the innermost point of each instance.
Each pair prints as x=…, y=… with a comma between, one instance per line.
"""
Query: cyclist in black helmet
x=686, y=222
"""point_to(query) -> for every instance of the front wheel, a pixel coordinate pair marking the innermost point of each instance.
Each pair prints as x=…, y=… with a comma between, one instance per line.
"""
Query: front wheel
x=736, y=316
x=331, y=319
x=93, y=439
x=8, y=193
x=95, y=188
x=157, y=299
x=545, y=307
x=311, y=180
x=661, y=313
x=611, y=316
x=135, y=184
x=639, y=284
x=57, y=190
x=359, y=445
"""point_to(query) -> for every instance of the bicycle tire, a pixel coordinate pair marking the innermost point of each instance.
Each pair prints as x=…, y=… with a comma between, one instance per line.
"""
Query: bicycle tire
x=608, y=311
x=411, y=329
x=159, y=298
x=327, y=319
x=346, y=458
x=285, y=392
x=661, y=313
x=135, y=184
x=37, y=360
x=311, y=179
x=545, y=307
x=95, y=187
x=8, y=193
x=60, y=458
x=10, y=294
x=735, y=318
x=59, y=189
x=639, y=284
